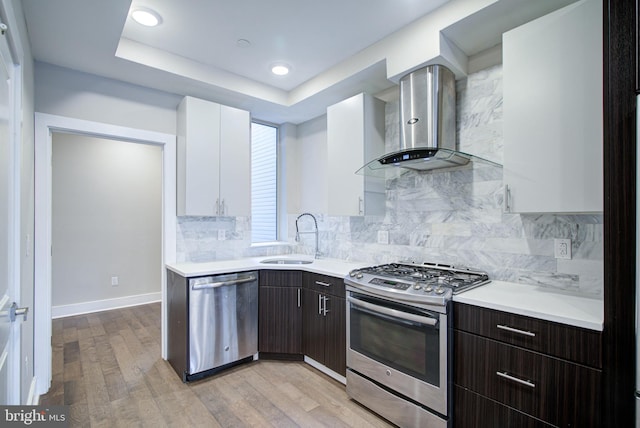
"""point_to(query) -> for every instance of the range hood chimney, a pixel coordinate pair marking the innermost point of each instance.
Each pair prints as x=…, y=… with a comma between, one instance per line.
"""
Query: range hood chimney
x=427, y=124
x=428, y=109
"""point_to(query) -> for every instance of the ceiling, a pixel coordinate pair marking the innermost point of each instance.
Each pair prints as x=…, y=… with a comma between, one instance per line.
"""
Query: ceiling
x=195, y=50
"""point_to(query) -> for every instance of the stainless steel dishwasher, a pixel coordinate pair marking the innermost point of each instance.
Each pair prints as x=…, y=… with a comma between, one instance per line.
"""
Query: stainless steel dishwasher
x=223, y=322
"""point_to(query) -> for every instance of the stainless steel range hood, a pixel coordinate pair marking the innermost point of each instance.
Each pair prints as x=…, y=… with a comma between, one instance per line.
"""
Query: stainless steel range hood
x=427, y=125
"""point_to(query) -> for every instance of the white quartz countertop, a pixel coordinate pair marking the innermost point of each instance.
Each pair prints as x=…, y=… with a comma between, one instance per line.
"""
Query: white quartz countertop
x=337, y=268
x=538, y=302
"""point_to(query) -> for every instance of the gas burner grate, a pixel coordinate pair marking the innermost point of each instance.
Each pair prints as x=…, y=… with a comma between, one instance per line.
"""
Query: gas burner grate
x=430, y=274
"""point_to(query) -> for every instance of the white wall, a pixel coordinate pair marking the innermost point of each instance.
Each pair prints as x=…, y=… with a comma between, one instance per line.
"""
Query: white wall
x=70, y=93
x=106, y=219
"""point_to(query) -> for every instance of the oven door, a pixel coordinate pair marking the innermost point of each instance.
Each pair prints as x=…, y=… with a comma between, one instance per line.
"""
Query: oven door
x=401, y=347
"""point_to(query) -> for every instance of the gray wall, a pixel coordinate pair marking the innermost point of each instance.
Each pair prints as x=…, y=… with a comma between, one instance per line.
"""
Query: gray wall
x=70, y=93
x=106, y=218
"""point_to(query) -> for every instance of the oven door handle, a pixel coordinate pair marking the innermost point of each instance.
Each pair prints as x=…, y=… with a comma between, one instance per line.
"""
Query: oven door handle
x=393, y=312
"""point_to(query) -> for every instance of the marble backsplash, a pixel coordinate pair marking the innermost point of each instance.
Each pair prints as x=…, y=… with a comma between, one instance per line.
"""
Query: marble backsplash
x=452, y=216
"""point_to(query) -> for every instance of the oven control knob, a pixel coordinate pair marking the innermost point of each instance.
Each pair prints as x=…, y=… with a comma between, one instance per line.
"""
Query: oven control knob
x=428, y=289
x=417, y=287
x=355, y=274
x=440, y=291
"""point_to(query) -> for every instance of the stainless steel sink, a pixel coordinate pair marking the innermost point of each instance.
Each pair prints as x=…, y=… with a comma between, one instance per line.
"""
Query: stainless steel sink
x=284, y=261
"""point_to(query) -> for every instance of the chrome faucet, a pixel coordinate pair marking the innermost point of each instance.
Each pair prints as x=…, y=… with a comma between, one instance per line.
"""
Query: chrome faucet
x=315, y=232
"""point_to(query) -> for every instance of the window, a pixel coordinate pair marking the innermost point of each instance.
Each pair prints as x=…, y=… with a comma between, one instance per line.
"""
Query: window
x=264, y=201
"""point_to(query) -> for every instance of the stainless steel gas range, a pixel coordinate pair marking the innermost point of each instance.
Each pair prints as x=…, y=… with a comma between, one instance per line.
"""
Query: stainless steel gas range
x=399, y=342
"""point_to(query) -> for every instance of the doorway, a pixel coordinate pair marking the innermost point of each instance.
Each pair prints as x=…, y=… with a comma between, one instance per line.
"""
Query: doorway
x=106, y=223
x=45, y=127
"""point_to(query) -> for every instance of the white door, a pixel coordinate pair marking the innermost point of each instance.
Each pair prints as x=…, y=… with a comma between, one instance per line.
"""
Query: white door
x=9, y=325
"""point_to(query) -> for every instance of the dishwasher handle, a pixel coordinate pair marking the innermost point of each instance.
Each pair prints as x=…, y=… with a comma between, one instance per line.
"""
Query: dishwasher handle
x=209, y=285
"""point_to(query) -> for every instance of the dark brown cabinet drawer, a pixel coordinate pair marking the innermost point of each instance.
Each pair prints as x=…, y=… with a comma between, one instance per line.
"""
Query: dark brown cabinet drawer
x=555, y=391
x=571, y=343
x=324, y=284
x=283, y=278
x=475, y=411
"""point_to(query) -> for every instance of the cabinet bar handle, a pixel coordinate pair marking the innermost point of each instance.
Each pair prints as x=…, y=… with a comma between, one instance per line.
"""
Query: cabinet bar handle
x=515, y=330
x=325, y=310
x=298, y=297
x=319, y=304
x=324, y=284
x=507, y=376
x=507, y=198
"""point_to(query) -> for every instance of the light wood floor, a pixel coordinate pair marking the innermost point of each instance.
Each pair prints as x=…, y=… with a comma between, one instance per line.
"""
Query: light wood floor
x=107, y=368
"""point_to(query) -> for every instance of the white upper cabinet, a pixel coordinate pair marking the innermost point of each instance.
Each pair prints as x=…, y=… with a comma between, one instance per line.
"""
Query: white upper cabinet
x=214, y=159
x=553, y=118
x=355, y=135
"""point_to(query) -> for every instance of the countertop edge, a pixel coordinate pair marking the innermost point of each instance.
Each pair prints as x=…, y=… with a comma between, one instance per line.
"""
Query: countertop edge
x=337, y=268
x=541, y=303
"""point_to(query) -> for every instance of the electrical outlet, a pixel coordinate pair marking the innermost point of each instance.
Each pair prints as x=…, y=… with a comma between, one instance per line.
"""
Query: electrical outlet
x=222, y=234
x=114, y=281
x=562, y=248
x=383, y=237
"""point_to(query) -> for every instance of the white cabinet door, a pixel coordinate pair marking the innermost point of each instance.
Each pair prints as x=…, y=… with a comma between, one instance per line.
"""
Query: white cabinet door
x=355, y=131
x=235, y=164
x=198, y=157
x=553, y=119
x=214, y=159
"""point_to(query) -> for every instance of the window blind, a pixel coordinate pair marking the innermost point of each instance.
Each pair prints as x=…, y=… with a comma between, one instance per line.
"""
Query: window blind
x=264, y=213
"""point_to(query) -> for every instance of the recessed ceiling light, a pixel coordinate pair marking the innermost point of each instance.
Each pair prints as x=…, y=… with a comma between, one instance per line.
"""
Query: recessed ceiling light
x=146, y=17
x=280, y=69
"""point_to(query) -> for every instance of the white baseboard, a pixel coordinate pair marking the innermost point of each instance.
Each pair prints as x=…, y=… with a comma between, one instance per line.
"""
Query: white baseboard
x=104, y=305
x=326, y=370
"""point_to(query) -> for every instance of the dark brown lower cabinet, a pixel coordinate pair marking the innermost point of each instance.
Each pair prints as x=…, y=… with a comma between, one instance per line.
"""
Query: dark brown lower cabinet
x=280, y=320
x=503, y=380
x=280, y=313
x=555, y=391
x=302, y=313
x=475, y=411
x=324, y=335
